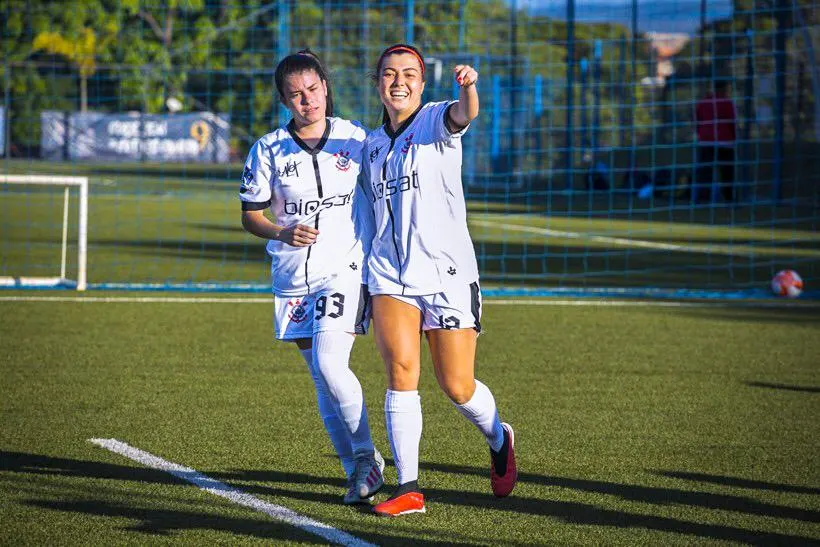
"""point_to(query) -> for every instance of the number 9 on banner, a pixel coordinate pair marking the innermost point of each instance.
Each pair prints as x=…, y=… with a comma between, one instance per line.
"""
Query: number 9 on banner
x=201, y=133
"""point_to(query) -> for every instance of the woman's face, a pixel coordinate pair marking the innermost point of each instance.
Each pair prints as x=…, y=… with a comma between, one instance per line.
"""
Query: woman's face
x=400, y=83
x=305, y=95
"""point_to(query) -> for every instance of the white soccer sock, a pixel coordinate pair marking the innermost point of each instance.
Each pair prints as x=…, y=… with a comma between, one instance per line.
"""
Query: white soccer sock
x=481, y=410
x=331, y=356
x=336, y=430
x=402, y=411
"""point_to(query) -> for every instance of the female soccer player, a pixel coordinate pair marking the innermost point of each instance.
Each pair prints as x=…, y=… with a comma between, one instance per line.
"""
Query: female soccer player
x=305, y=173
x=423, y=271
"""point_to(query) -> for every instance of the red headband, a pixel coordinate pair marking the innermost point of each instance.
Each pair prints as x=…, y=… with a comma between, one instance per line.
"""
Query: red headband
x=403, y=49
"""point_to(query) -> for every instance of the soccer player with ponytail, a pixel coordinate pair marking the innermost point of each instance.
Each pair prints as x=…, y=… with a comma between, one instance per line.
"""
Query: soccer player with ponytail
x=306, y=174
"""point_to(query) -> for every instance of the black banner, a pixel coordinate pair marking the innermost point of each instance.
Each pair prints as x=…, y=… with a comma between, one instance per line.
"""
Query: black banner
x=194, y=137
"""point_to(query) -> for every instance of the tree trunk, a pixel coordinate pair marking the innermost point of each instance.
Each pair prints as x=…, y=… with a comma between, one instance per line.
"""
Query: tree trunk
x=83, y=93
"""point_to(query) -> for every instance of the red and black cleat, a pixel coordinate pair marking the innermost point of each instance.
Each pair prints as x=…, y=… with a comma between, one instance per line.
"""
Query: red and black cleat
x=503, y=471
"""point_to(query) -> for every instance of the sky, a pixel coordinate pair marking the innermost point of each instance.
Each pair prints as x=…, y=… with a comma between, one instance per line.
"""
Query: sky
x=653, y=15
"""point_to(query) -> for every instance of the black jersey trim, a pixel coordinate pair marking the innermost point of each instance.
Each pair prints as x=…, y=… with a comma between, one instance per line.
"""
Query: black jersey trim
x=394, y=135
x=475, y=304
x=363, y=311
x=447, y=125
x=386, y=157
x=318, y=175
x=307, y=259
x=389, y=131
x=395, y=243
x=255, y=206
x=291, y=127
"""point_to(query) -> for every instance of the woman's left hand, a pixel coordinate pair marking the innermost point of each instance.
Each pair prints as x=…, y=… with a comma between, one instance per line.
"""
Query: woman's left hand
x=465, y=75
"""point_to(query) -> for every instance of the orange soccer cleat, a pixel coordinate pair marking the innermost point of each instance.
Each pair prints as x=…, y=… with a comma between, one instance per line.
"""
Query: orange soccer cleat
x=403, y=504
x=503, y=471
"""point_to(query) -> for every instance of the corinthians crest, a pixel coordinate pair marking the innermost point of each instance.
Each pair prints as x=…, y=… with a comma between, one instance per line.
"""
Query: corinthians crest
x=342, y=160
x=297, y=310
x=408, y=142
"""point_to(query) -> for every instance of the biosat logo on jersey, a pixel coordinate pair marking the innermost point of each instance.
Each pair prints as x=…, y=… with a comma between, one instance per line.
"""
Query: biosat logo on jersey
x=302, y=207
x=390, y=187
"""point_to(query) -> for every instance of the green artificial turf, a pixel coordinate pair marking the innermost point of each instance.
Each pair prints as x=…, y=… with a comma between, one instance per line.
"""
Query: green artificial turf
x=634, y=425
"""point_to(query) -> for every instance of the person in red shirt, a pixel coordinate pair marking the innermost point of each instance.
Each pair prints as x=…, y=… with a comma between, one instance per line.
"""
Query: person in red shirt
x=716, y=120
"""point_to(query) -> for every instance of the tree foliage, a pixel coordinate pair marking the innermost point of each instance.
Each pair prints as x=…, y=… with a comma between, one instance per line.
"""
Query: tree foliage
x=80, y=50
x=220, y=55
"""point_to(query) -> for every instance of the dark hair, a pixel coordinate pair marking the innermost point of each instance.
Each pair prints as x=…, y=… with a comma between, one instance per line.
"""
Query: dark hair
x=399, y=48
x=300, y=62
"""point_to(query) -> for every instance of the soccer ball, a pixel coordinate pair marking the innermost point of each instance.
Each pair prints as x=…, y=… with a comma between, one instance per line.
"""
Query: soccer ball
x=787, y=283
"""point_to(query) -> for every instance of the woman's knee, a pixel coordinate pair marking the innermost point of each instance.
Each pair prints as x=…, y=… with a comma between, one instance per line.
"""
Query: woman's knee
x=403, y=374
x=459, y=391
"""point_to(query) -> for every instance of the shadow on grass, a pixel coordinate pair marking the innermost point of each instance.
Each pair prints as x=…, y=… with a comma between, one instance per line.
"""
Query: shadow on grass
x=151, y=521
x=270, y=475
x=570, y=512
x=164, y=522
x=786, y=387
x=581, y=513
x=738, y=482
x=651, y=494
x=20, y=462
x=590, y=515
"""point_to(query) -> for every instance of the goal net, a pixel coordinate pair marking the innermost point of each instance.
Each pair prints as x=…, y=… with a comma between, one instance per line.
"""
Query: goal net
x=43, y=231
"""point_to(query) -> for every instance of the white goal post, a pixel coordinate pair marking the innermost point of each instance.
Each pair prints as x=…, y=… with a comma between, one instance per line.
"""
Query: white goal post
x=82, y=236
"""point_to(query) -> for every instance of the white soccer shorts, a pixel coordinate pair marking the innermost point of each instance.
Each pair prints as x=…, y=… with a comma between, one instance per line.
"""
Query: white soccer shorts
x=342, y=305
x=459, y=307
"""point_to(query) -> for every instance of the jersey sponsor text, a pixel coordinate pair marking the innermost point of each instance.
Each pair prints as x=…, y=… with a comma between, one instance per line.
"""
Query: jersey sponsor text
x=396, y=185
x=302, y=207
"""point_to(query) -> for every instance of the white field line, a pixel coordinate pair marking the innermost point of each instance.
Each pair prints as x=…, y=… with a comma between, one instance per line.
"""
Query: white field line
x=619, y=241
x=220, y=489
x=546, y=301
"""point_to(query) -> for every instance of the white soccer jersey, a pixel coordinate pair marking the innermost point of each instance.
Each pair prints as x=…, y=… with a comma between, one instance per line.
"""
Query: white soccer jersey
x=316, y=187
x=421, y=243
